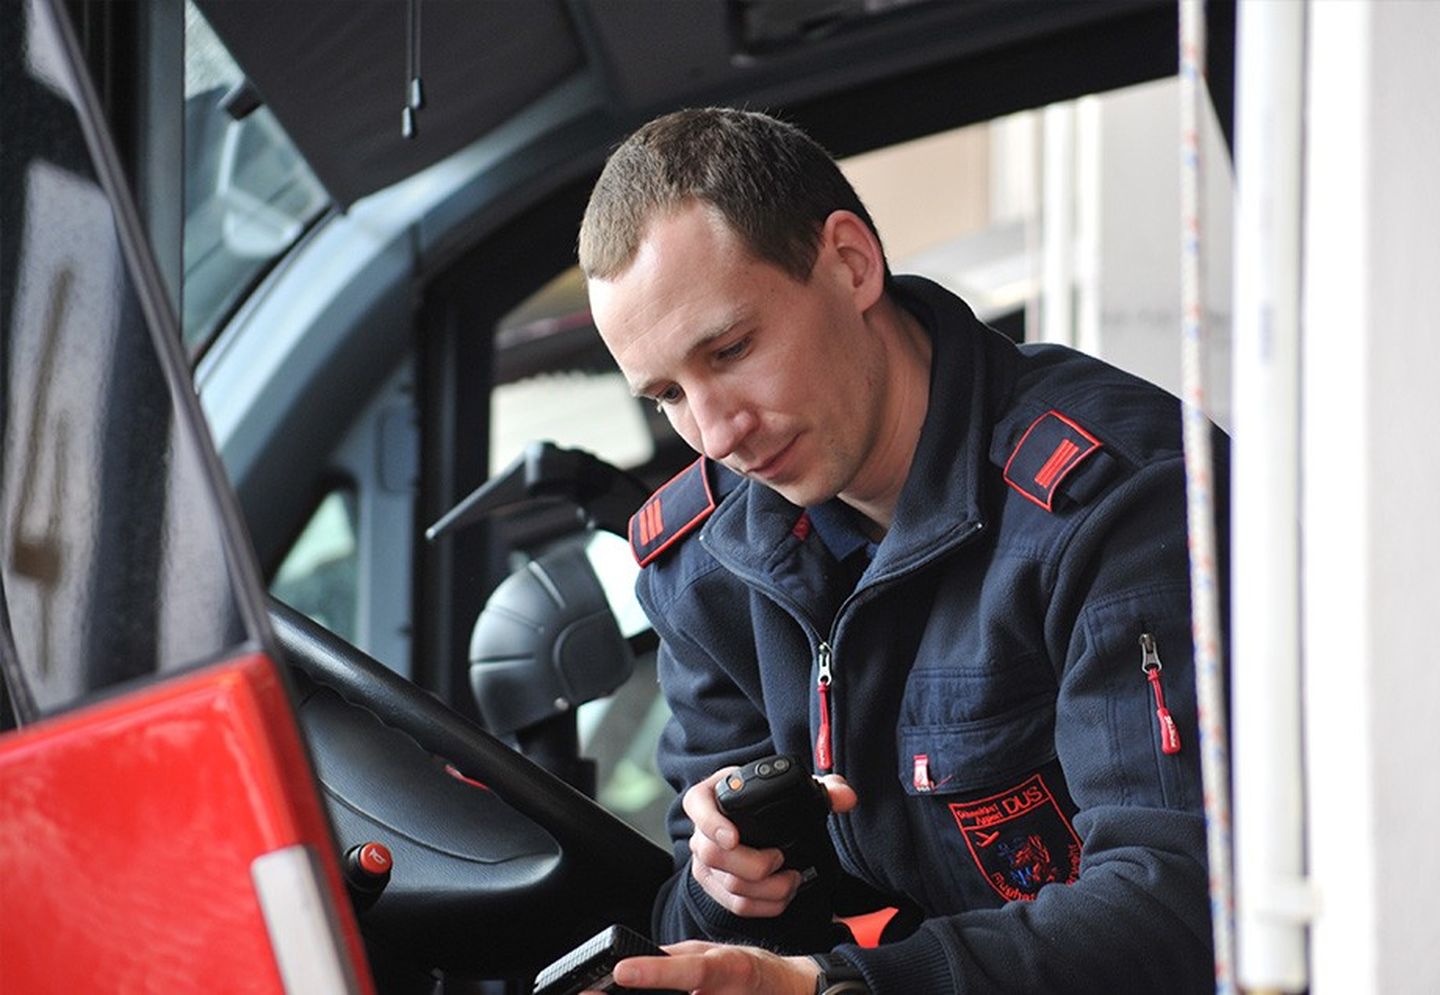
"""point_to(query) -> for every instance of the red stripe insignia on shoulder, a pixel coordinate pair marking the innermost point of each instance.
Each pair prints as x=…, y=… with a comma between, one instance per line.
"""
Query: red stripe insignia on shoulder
x=672, y=512
x=1049, y=450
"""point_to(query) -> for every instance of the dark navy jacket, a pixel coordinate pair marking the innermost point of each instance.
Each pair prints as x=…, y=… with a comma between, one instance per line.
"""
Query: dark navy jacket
x=988, y=701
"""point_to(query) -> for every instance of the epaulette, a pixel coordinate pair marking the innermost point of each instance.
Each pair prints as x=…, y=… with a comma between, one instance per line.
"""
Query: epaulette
x=1049, y=452
x=674, y=511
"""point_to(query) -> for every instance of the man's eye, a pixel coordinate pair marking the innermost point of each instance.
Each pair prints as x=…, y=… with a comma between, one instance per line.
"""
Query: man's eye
x=735, y=350
x=669, y=395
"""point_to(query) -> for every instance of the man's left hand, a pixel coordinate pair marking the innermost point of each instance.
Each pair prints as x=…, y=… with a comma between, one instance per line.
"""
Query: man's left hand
x=719, y=969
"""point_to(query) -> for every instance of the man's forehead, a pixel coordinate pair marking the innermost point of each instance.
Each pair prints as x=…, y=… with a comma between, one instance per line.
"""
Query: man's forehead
x=682, y=267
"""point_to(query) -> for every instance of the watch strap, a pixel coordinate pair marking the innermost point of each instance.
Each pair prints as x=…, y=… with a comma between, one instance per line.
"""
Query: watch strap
x=838, y=976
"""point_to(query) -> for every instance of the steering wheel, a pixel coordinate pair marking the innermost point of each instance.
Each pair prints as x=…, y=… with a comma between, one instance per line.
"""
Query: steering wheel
x=602, y=862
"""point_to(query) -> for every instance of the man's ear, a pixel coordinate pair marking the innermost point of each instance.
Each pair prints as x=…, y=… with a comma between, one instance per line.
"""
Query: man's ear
x=857, y=253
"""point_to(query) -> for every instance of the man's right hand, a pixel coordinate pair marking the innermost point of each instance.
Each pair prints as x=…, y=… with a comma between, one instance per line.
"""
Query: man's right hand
x=746, y=881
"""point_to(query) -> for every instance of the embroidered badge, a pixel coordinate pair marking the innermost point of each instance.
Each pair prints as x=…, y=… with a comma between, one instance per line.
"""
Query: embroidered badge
x=1049, y=450
x=1020, y=839
x=680, y=505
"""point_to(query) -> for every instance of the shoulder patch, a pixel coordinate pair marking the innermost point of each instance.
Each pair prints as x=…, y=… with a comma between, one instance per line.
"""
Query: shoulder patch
x=1049, y=450
x=672, y=512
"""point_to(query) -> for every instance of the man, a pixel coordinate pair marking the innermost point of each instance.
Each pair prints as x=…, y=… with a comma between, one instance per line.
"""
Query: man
x=944, y=569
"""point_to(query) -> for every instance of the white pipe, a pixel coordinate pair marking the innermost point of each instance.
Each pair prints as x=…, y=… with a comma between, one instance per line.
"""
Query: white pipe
x=1200, y=499
x=1089, y=150
x=1057, y=284
x=1271, y=892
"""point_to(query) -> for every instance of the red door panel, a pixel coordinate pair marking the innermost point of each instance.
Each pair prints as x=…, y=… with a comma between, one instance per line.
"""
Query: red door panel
x=128, y=831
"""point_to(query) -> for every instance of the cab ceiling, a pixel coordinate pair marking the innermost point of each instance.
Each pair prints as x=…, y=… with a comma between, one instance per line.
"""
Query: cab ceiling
x=335, y=73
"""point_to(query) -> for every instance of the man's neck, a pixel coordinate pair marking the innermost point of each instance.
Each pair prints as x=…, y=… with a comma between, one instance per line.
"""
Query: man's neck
x=876, y=491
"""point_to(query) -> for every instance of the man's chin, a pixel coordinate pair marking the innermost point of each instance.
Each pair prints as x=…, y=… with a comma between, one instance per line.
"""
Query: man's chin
x=802, y=494
x=802, y=490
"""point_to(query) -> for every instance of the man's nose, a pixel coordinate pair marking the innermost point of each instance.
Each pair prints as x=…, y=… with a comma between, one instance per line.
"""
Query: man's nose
x=722, y=421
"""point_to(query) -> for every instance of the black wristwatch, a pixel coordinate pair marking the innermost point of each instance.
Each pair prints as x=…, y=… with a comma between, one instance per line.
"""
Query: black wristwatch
x=838, y=977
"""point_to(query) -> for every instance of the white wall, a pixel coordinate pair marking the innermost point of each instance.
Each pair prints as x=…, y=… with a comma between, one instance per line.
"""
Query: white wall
x=1127, y=237
x=1370, y=477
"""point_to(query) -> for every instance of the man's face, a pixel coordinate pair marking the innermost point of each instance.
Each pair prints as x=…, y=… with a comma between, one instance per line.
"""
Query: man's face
x=777, y=379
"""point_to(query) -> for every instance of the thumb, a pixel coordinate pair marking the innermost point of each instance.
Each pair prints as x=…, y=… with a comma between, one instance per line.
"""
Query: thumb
x=842, y=797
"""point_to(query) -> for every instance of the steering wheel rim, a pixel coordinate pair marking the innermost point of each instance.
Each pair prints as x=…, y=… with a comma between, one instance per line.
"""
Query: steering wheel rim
x=632, y=866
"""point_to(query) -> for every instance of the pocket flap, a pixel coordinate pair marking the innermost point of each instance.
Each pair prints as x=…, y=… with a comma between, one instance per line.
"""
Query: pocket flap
x=967, y=756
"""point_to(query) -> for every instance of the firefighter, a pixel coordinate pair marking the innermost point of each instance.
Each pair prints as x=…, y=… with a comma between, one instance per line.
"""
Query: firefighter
x=949, y=571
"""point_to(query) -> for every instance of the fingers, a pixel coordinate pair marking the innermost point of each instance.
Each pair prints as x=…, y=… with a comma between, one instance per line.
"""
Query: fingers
x=700, y=805
x=744, y=862
x=718, y=969
x=842, y=796
x=744, y=880
x=762, y=899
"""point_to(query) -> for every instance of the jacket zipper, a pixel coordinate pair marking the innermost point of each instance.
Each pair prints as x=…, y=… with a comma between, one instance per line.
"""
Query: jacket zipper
x=1151, y=666
x=823, y=757
x=825, y=657
x=824, y=662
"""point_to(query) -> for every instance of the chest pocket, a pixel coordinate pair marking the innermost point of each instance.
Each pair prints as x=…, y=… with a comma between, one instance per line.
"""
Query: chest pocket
x=987, y=799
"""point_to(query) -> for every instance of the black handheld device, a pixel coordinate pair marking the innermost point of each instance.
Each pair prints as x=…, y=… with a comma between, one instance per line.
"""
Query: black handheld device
x=590, y=966
x=774, y=802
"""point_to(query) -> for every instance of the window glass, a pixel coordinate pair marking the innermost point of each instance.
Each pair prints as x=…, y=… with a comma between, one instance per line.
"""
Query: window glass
x=575, y=409
x=960, y=207
x=118, y=559
x=615, y=567
x=1063, y=225
x=318, y=575
x=248, y=194
x=555, y=381
x=620, y=731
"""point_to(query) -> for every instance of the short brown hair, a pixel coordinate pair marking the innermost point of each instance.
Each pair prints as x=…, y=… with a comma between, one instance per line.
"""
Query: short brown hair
x=773, y=184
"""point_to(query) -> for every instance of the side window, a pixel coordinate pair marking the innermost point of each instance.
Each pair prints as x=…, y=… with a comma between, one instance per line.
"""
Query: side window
x=621, y=731
x=575, y=409
x=554, y=380
x=318, y=574
x=1061, y=225
x=248, y=194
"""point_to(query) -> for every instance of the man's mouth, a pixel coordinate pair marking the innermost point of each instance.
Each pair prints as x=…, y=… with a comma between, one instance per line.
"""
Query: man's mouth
x=772, y=465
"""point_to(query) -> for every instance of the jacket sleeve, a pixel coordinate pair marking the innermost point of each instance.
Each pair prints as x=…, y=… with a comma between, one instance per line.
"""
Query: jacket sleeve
x=715, y=722
x=1137, y=917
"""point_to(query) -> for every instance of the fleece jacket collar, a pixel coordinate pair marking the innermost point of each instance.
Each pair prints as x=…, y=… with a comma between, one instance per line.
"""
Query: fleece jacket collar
x=972, y=372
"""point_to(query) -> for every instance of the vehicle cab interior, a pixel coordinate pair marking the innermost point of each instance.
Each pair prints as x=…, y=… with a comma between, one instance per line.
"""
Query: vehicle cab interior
x=322, y=668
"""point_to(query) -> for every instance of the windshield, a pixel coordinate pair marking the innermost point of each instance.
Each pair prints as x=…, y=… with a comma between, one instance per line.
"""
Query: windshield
x=248, y=194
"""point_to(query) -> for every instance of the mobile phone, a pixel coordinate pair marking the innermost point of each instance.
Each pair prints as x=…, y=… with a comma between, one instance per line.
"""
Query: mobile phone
x=591, y=965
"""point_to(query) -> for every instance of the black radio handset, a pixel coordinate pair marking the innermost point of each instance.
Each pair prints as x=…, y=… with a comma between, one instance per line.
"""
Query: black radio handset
x=774, y=802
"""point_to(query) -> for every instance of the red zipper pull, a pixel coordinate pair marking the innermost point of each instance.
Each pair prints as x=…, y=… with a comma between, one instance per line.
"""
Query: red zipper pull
x=823, y=759
x=1150, y=664
x=920, y=775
